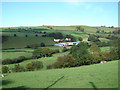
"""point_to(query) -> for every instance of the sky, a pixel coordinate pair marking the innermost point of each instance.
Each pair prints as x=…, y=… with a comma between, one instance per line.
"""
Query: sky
x=59, y=13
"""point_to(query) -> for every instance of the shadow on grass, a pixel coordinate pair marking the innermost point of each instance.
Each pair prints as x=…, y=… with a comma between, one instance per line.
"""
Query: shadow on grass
x=93, y=85
x=5, y=82
x=54, y=83
x=17, y=88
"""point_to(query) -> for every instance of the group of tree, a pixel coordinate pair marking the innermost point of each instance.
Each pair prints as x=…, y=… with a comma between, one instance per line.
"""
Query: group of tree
x=80, y=38
x=73, y=39
x=37, y=53
x=79, y=28
x=32, y=66
x=50, y=27
x=4, y=38
x=79, y=55
x=35, y=46
x=15, y=60
x=112, y=37
x=64, y=49
x=93, y=38
x=44, y=52
x=56, y=35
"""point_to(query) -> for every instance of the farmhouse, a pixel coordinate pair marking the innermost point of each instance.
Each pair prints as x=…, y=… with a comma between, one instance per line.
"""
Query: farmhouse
x=56, y=40
x=68, y=39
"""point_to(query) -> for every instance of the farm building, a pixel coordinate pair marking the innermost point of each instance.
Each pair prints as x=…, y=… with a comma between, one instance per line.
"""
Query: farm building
x=75, y=43
x=72, y=43
x=67, y=44
x=56, y=40
x=68, y=39
x=61, y=44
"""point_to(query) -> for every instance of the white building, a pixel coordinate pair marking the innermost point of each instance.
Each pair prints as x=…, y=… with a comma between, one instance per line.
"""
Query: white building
x=61, y=44
x=56, y=40
x=68, y=39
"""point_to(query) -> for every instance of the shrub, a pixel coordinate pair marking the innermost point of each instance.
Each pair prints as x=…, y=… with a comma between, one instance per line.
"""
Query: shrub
x=64, y=61
x=81, y=54
x=42, y=52
x=36, y=65
x=36, y=35
x=18, y=68
x=15, y=35
x=7, y=61
x=50, y=66
x=64, y=49
x=56, y=51
x=5, y=69
x=80, y=38
x=42, y=44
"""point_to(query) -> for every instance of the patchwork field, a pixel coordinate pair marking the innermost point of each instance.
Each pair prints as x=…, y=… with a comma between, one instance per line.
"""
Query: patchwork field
x=89, y=76
x=13, y=55
x=46, y=61
x=92, y=76
x=21, y=42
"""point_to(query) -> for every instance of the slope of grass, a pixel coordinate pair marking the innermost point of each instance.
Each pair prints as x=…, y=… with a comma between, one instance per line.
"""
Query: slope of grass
x=21, y=42
x=13, y=55
x=46, y=61
x=105, y=48
x=91, y=76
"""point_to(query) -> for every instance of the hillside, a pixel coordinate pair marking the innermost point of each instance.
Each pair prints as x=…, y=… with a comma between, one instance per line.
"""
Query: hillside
x=92, y=76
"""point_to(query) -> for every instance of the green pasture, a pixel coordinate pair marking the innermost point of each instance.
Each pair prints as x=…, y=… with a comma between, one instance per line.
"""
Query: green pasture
x=21, y=42
x=104, y=39
x=89, y=76
x=19, y=50
x=46, y=61
x=105, y=48
x=13, y=55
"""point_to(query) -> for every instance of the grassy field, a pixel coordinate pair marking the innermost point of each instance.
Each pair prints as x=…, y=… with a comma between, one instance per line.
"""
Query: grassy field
x=46, y=61
x=17, y=50
x=105, y=48
x=13, y=55
x=91, y=76
x=21, y=42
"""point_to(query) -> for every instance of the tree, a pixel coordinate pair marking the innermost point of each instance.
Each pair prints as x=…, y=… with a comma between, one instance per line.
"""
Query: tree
x=18, y=68
x=94, y=48
x=73, y=39
x=93, y=38
x=26, y=35
x=97, y=31
x=44, y=32
x=40, y=32
x=15, y=35
x=81, y=54
x=5, y=69
x=80, y=39
x=36, y=35
x=36, y=65
x=64, y=49
x=64, y=61
x=79, y=28
x=42, y=52
x=42, y=44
